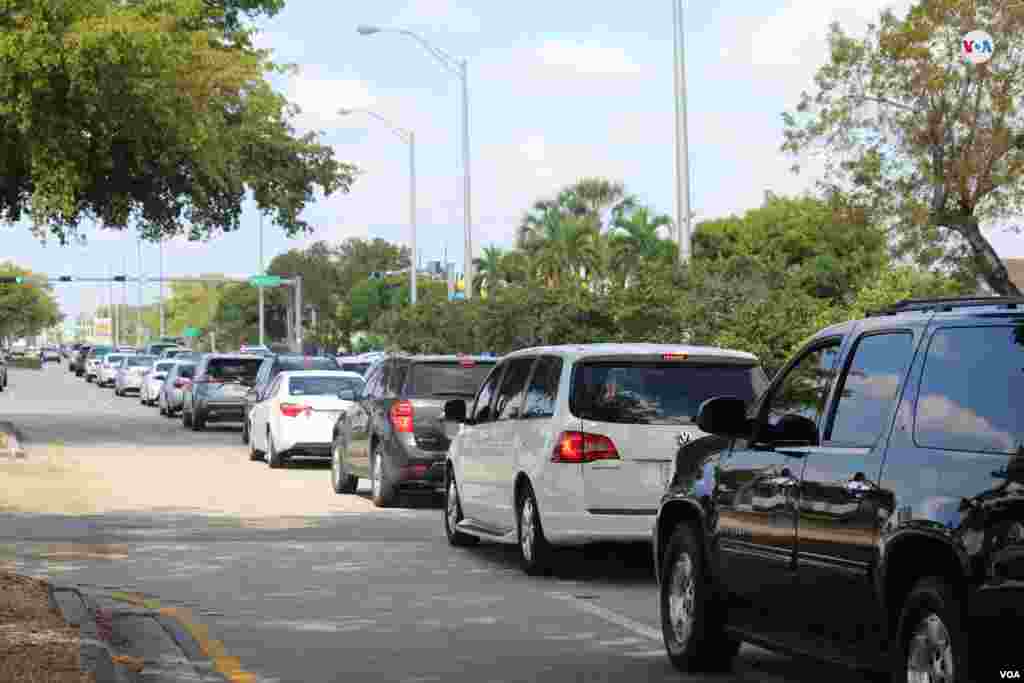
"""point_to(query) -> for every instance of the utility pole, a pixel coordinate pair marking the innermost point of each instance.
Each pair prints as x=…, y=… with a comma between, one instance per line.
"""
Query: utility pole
x=111, y=308
x=681, y=139
x=124, y=296
x=138, y=317
x=262, y=319
x=163, y=331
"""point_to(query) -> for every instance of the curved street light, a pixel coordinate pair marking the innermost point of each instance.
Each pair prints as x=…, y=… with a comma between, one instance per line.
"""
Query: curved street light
x=458, y=67
x=408, y=137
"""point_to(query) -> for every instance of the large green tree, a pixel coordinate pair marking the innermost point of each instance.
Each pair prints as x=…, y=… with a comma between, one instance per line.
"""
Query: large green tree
x=27, y=308
x=149, y=112
x=924, y=138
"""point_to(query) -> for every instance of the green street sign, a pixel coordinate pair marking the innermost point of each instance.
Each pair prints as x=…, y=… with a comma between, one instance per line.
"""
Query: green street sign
x=192, y=332
x=266, y=281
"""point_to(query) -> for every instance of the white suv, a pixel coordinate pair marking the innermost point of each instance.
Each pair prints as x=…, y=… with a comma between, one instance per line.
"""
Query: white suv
x=565, y=445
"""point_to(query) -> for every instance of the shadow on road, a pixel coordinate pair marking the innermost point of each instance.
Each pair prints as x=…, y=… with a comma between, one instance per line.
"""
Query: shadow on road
x=600, y=563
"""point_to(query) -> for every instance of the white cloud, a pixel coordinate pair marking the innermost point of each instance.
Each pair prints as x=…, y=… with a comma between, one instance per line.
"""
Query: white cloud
x=457, y=18
x=587, y=58
x=320, y=99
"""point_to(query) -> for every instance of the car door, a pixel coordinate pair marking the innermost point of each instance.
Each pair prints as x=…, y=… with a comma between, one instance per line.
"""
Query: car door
x=358, y=424
x=756, y=493
x=261, y=413
x=497, y=452
x=474, y=439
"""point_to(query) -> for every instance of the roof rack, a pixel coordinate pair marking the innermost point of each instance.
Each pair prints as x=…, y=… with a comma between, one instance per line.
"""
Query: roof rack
x=948, y=304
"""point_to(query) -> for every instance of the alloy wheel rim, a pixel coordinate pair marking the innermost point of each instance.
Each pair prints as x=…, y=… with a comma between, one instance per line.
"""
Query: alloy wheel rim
x=527, y=530
x=681, y=598
x=930, y=654
x=452, y=506
x=378, y=474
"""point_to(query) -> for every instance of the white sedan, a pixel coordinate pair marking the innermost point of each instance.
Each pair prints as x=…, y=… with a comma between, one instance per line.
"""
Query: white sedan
x=296, y=415
x=153, y=382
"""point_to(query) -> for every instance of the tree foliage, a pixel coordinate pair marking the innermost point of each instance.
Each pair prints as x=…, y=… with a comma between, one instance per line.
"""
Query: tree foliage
x=25, y=309
x=926, y=140
x=149, y=111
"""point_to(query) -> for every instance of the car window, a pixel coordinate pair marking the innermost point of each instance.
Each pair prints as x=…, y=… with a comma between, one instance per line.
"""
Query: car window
x=656, y=392
x=187, y=371
x=870, y=387
x=542, y=393
x=287, y=363
x=447, y=378
x=138, y=361
x=114, y=359
x=484, y=398
x=970, y=388
x=233, y=368
x=163, y=367
x=396, y=379
x=274, y=386
x=510, y=395
x=802, y=391
x=323, y=386
x=372, y=390
x=361, y=368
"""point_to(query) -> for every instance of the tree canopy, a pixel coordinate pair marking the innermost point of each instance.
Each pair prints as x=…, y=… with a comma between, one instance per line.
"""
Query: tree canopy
x=154, y=112
x=25, y=309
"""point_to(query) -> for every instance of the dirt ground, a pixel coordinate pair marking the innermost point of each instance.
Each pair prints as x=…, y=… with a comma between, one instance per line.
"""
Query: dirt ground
x=36, y=646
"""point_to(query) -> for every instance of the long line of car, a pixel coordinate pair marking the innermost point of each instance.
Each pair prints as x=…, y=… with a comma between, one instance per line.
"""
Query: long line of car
x=865, y=506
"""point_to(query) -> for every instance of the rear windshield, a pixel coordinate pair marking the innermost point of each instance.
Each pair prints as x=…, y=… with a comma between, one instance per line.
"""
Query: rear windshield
x=657, y=393
x=323, y=386
x=139, y=361
x=114, y=358
x=284, y=364
x=361, y=368
x=186, y=370
x=233, y=368
x=100, y=351
x=447, y=378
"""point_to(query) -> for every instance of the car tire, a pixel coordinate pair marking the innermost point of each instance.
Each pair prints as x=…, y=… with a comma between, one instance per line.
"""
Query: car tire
x=186, y=418
x=931, y=628
x=691, y=622
x=274, y=459
x=254, y=453
x=245, y=431
x=198, y=421
x=341, y=480
x=534, y=549
x=383, y=489
x=453, y=515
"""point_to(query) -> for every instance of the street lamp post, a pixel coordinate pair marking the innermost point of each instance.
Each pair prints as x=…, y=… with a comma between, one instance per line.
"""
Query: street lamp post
x=459, y=67
x=163, y=331
x=682, y=142
x=262, y=323
x=138, y=316
x=408, y=137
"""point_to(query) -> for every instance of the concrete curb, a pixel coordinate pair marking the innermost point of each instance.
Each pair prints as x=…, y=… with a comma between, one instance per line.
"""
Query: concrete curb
x=11, y=442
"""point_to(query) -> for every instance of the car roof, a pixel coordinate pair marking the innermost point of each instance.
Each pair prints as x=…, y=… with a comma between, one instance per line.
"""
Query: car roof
x=320, y=373
x=440, y=358
x=231, y=356
x=582, y=351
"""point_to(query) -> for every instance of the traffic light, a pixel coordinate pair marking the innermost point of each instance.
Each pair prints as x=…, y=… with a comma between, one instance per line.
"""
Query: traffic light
x=120, y=278
x=11, y=279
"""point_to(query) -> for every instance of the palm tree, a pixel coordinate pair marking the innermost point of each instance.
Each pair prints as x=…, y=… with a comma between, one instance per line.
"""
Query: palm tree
x=634, y=238
x=487, y=269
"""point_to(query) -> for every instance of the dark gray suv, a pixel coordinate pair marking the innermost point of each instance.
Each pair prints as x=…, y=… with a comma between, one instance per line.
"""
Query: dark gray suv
x=217, y=393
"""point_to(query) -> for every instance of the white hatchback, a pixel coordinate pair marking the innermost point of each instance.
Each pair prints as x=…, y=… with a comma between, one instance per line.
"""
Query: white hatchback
x=297, y=413
x=566, y=445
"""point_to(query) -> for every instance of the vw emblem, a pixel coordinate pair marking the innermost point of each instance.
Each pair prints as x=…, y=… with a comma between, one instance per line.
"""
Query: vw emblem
x=683, y=438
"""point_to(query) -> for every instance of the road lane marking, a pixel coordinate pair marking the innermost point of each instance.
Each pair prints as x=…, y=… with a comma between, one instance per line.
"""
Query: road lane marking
x=610, y=616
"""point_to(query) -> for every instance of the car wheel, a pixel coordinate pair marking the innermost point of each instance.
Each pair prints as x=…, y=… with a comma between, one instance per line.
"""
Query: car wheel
x=533, y=547
x=453, y=515
x=245, y=432
x=274, y=459
x=383, y=488
x=341, y=480
x=254, y=453
x=933, y=644
x=186, y=418
x=691, y=624
x=198, y=421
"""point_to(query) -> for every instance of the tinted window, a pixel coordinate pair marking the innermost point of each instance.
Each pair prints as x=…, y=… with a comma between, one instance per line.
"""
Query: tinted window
x=972, y=381
x=482, y=406
x=373, y=382
x=139, y=361
x=804, y=388
x=233, y=368
x=163, y=367
x=322, y=386
x=510, y=395
x=186, y=370
x=396, y=378
x=286, y=364
x=543, y=390
x=870, y=387
x=656, y=392
x=447, y=378
x=361, y=368
x=114, y=358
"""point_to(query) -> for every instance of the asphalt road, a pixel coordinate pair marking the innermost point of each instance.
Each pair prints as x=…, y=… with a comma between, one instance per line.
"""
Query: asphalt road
x=304, y=585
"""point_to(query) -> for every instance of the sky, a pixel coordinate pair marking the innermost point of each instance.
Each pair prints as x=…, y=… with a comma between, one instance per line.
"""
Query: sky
x=557, y=91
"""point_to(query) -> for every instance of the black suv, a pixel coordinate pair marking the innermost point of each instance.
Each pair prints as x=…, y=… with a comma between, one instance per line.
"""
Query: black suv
x=867, y=509
x=395, y=435
x=273, y=366
x=217, y=392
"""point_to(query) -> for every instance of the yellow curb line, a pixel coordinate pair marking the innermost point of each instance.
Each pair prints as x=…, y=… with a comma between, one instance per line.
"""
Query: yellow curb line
x=229, y=667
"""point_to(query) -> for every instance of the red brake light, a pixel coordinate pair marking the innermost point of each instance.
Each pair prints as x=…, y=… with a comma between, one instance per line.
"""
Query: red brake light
x=294, y=409
x=580, y=447
x=674, y=356
x=401, y=416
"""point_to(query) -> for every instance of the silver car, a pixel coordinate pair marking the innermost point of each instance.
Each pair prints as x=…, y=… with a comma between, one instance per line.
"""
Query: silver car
x=153, y=381
x=106, y=372
x=131, y=373
x=171, y=397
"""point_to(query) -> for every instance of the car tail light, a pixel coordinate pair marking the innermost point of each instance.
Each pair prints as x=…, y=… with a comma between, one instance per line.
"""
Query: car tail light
x=580, y=447
x=181, y=383
x=401, y=416
x=294, y=409
x=416, y=471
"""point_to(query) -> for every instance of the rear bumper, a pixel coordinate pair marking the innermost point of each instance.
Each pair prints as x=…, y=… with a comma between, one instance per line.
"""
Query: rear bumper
x=421, y=476
x=221, y=411
x=310, y=450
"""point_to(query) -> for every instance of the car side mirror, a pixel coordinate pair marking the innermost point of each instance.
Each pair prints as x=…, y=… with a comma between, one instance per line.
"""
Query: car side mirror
x=793, y=429
x=455, y=410
x=347, y=395
x=724, y=416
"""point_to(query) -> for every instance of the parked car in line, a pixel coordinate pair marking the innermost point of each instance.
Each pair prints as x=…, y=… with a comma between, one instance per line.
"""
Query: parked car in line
x=394, y=435
x=153, y=381
x=131, y=373
x=77, y=362
x=297, y=414
x=182, y=354
x=172, y=391
x=218, y=391
x=158, y=347
x=359, y=363
x=3, y=369
x=106, y=372
x=259, y=349
x=272, y=366
x=893, y=446
x=49, y=354
x=93, y=359
x=567, y=445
